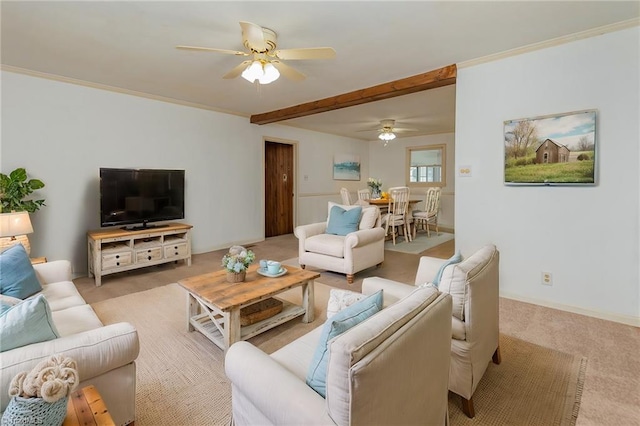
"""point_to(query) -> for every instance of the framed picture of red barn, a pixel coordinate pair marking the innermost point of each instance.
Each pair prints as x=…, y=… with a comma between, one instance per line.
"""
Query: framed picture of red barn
x=557, y=149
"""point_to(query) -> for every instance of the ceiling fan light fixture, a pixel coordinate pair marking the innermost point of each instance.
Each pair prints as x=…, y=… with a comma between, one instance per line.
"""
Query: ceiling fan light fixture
x=386, y=136
x=262, y=71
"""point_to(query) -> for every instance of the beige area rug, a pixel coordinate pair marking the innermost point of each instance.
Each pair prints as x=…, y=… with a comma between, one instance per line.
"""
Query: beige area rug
x=181, y=378
x=420, y=243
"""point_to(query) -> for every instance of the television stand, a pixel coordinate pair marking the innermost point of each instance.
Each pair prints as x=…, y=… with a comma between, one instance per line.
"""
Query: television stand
x=141, y=227
x=119, y=250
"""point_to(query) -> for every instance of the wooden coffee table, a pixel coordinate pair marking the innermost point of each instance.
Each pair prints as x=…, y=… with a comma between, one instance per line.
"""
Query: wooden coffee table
x=213, y=304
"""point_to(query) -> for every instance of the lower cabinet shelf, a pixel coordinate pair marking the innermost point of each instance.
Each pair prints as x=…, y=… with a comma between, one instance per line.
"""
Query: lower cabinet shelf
x=118, y=250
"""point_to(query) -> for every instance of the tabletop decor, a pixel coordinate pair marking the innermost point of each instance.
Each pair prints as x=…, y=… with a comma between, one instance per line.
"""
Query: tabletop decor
x=41, y=395
x=236, y=263
x=375, y=185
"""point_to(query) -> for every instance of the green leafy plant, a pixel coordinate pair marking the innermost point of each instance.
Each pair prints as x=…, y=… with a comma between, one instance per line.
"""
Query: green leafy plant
x=14, y=188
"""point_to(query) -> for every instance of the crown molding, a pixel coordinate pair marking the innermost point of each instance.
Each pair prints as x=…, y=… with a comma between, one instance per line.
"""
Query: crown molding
x=62, y=79
x=552, y=42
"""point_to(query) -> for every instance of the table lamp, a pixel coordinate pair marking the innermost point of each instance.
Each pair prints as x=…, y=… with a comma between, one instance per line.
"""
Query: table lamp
x=14, y=228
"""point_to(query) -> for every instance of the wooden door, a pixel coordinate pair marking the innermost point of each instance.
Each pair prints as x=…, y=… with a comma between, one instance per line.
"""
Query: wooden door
x=278, y=189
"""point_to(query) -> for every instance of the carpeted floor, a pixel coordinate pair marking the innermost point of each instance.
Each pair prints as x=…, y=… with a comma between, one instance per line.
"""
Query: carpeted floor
x=181, y=376
x=420, y=243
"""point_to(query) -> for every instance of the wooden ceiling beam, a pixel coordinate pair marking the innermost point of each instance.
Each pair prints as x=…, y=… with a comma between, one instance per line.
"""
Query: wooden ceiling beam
x=444, y=76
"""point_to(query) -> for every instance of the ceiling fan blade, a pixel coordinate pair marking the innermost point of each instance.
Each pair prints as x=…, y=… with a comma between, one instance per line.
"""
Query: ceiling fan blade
x=306, y=53
x=211, y=49
x=289, y=72
x=237, y=70
x=253, y=36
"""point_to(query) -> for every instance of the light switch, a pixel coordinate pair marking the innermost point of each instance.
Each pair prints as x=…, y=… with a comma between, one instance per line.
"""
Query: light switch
x=464, y=171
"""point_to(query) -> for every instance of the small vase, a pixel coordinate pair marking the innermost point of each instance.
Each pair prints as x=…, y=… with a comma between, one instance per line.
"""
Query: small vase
x=375, y=193
x=236, y=277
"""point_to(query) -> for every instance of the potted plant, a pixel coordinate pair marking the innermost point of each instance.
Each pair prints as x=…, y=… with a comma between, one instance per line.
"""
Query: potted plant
x=14, y=188
x=236, y=263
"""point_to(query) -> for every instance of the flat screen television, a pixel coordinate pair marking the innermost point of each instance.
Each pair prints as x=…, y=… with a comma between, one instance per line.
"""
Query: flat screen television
x=140, y=196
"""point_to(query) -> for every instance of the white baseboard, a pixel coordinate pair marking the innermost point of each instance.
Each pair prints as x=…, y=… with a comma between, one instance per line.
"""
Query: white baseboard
x=623, y=319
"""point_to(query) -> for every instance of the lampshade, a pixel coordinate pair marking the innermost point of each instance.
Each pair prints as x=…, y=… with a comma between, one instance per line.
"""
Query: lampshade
x=14, y=228
x=262, y=71
x=13, y=224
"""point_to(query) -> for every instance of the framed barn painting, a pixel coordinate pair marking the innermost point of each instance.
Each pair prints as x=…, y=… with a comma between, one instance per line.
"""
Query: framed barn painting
x=555, y=149
x=346, y=167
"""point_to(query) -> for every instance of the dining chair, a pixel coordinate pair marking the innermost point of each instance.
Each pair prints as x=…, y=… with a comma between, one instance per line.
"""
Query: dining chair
x=428, y=216
x=364, y=195
x=397, y=217
x=346, y=197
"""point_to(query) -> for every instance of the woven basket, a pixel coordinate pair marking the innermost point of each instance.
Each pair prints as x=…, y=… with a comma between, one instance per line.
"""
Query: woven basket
x=236, y=277
x=34, y=411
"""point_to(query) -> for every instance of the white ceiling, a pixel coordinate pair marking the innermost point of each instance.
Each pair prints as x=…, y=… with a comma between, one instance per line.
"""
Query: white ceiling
x=131, y=45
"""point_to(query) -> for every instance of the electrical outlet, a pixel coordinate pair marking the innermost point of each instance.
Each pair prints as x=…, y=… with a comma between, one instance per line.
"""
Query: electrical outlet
x=547, y=278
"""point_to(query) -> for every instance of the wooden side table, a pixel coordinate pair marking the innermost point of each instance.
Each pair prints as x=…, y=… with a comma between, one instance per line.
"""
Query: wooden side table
x=86, y=407
x=36, y=260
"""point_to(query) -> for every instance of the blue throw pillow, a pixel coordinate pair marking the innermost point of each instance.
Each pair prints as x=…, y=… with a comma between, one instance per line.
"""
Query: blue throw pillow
x=343, y=222
x=334, y=326
x=25, y=323
x=7, y=302
x=17, y=277
x=456, y=258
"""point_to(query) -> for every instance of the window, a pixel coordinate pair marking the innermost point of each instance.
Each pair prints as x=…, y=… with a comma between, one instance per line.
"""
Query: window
x=426, y=165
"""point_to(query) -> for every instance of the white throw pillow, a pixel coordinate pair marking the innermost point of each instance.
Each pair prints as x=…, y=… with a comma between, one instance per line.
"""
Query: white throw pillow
x=340, y=299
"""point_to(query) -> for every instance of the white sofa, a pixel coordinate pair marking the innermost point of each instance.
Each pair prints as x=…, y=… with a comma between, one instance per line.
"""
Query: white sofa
x=348, y=254
x=392, y=368
x=105, y=354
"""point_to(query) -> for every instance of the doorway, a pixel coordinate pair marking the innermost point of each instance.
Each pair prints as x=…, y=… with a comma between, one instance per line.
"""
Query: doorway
x=278, y=188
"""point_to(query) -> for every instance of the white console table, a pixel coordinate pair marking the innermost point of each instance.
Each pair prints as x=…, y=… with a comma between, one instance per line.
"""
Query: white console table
x=118, y=250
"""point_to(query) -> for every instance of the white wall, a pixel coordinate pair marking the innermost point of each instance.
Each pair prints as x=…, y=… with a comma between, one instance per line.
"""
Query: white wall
x=587, y=237
x=63, y=133
x=388, y=163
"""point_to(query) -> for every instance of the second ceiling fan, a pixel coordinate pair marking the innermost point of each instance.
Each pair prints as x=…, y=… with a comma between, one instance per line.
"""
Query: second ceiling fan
x=266, y=63
x=387, y=130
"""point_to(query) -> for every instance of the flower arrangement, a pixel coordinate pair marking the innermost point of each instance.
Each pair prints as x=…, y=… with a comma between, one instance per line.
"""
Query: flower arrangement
x=375, y=185
x=51, y=379
x=238, y=259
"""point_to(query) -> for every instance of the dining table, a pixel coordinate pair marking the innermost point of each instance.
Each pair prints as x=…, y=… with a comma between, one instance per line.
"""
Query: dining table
x=383, y=203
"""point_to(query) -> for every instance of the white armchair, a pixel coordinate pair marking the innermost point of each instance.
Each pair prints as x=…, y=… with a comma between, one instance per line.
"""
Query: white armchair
x=473, y=284
x=347, y=254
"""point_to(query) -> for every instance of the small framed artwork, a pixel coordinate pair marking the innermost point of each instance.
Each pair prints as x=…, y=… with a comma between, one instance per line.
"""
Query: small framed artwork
x=346, y=167
x=557, y=149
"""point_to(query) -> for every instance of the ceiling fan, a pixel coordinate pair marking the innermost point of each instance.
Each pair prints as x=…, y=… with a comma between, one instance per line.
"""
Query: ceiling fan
x=265, y=65
x=387, y=130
